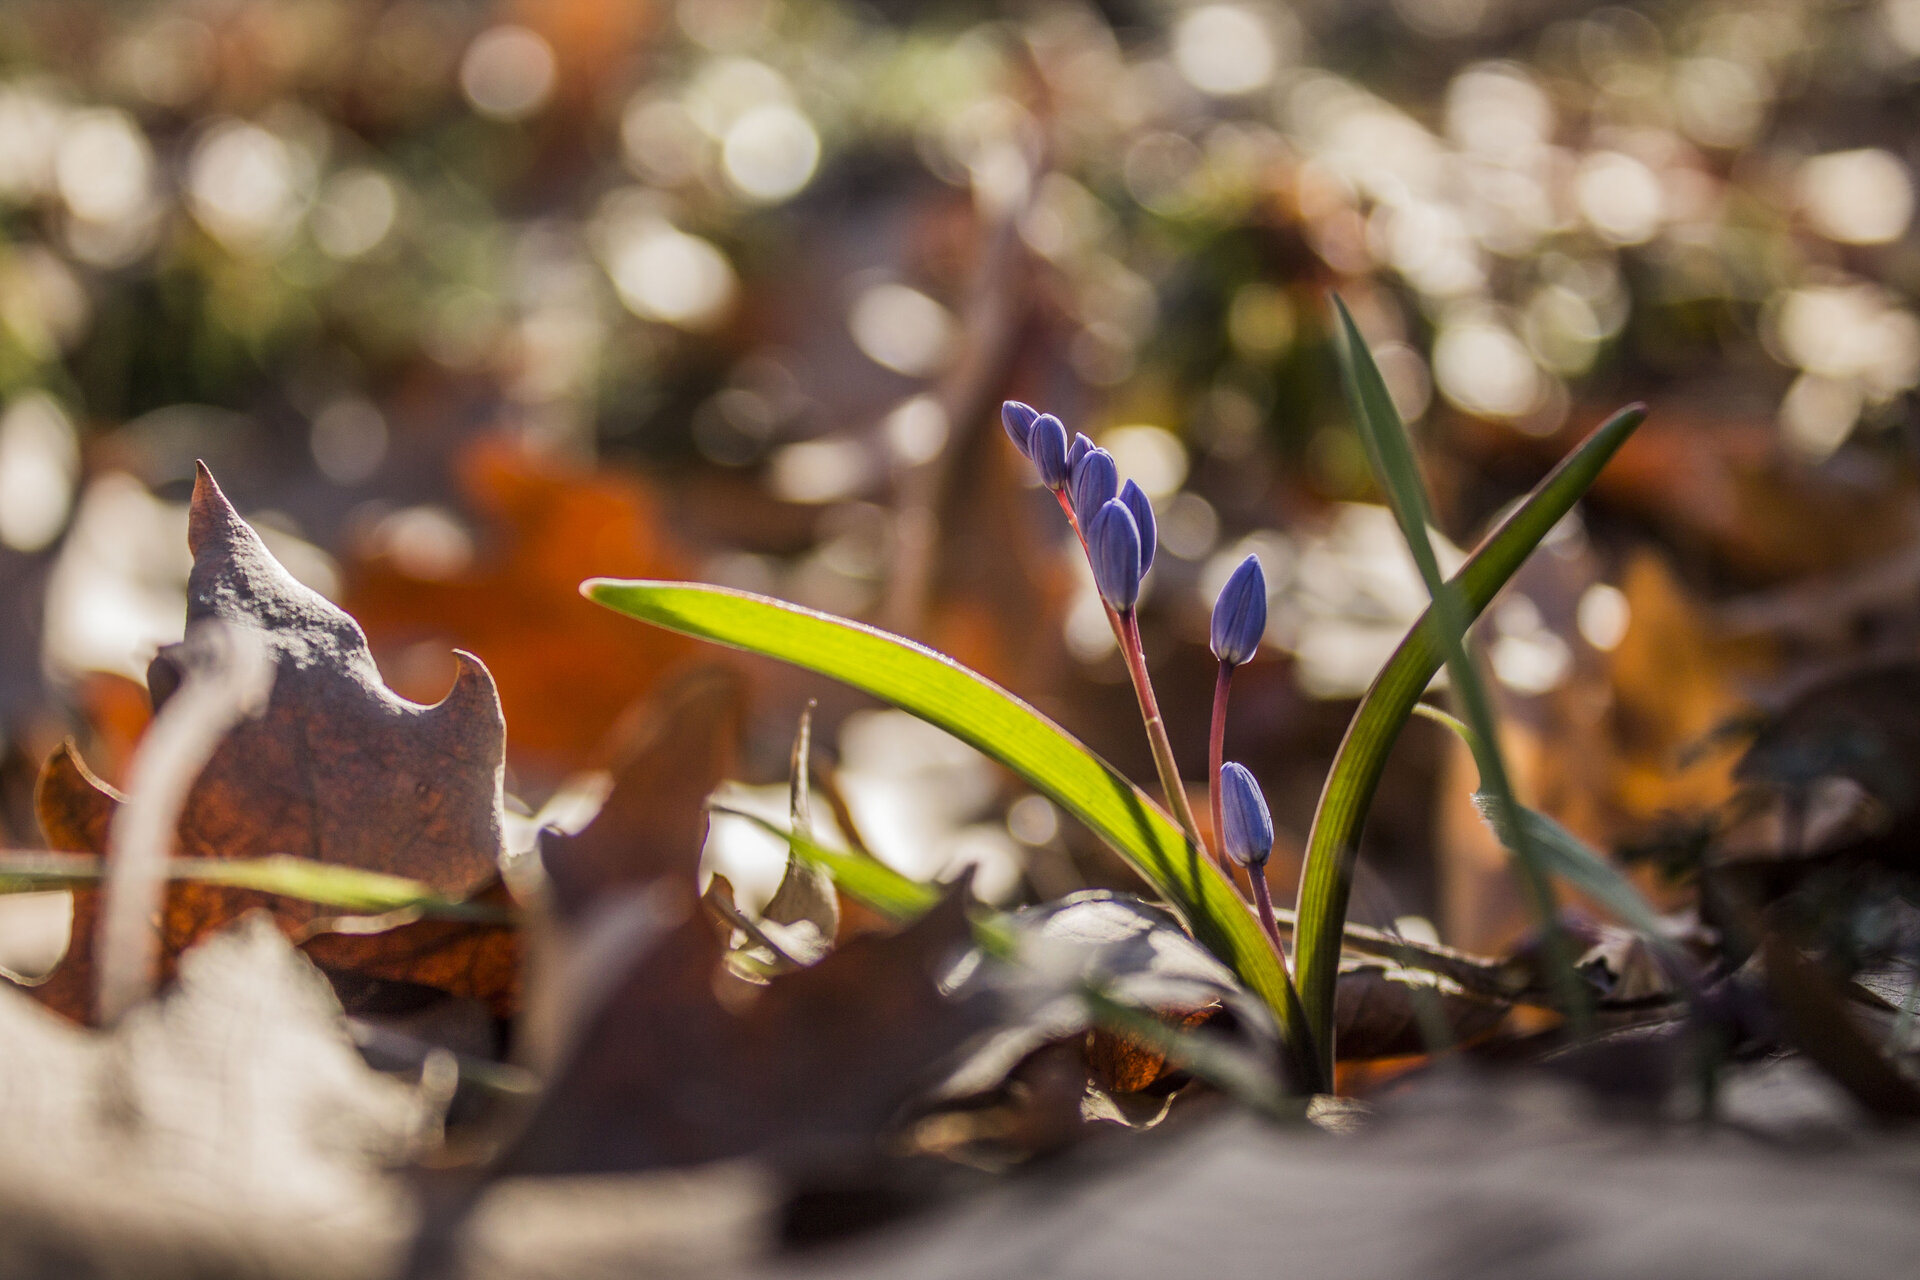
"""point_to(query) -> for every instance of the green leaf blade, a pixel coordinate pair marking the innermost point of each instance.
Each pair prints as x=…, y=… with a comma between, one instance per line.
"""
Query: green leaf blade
x=940, y=691
x=1326, y=880
x=325, y=884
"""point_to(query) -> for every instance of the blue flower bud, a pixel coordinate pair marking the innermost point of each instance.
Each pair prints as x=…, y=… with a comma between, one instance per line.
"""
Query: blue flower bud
x=1113, y=548
x=1134, y=498
x=1246, y=828
x=1048, y=442
x=1077, y=450
x=1018, y=419
x=1095, y=481
x=1240, y=614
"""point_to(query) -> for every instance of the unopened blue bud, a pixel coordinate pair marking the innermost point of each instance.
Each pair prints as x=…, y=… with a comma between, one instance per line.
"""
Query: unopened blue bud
x=1095, y=482
x=1113, y=548
x=1240, y=614
x=1134, y=498
x=1246, y=828
x=1077, y=449
x=1018, y=419
x=1048, y=445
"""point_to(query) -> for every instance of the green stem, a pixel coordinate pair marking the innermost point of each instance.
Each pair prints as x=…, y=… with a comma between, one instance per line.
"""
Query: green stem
x=1306, y=1061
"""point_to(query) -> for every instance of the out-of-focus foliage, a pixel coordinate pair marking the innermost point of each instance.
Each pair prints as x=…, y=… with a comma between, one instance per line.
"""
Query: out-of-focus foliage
x=783, y=255
x=678, y=228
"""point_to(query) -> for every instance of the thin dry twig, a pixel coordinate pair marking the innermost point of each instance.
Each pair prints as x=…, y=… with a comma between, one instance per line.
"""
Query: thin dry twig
x=228, y=676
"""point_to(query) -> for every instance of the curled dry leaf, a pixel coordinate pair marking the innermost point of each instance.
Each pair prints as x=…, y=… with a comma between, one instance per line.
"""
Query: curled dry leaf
x=240, y=1119
x=1378, y=1011
x=813, y=1066
x=339, y=768
x=1135, y=953
x=803, y=916
x=653, y=823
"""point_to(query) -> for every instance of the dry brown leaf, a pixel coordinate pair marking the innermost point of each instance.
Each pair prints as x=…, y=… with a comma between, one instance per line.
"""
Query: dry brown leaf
x=475, y=961
x=1121, y=1063
x=812, y=1066
x=653, y=824
x=1378, y=1011
x=339, y=768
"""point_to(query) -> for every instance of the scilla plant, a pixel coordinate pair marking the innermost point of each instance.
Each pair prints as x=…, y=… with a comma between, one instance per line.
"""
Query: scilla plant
x=1116, y=528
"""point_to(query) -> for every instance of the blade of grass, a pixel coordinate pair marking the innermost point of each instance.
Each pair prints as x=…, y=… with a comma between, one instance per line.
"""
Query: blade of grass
x=977, y=711
x=1390, y=450
x=1326, y=881
x=868, y=880
x=327, y=884
x=1562, y=852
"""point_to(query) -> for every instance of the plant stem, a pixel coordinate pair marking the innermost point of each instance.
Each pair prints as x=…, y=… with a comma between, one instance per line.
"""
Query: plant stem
x=1263, y=907
x=1216, y=757
x=1306, y=1060
x=1126, y=629
x=1129, y=627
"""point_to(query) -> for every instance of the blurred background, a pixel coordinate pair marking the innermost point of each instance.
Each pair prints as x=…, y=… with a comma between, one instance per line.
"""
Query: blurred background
x=465, y=302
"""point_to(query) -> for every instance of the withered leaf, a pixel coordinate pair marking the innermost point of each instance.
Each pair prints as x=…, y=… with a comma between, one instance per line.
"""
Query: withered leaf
x=73, y=808
x=1377, y=1010
x=462, y=958
x=654, y=821
x=804, y=911
x=814, y=1066
x=1136, y=953
x=1815, y=1010
x=1863, y=727
x=235, y=1101
x=339, y=768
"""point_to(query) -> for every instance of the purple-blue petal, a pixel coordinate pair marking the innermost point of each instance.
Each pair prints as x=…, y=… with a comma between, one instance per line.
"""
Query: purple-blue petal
x=1135, y=499
x=1240, y=614
x=1095, y=482
x=1018, y=419
x=1113, y=549
x=1077, y=448
x=1246, y=828
x=1049, y=445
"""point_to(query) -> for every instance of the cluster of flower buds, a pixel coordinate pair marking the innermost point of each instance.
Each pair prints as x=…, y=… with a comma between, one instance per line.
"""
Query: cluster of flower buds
x=1115, y=520
x=1116, y=525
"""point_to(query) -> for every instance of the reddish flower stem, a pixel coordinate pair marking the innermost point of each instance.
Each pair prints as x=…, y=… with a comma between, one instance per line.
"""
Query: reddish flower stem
x=1130, y=648
x=1126, y=630
x=1216, y=756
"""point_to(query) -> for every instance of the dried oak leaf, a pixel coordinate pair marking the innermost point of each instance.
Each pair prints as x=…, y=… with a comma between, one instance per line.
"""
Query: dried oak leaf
x=339, y=768
x=814, y=1067
x=476, y=961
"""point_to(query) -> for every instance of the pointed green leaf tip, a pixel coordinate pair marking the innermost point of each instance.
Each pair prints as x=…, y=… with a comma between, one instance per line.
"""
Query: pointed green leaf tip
x=1333, y=846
